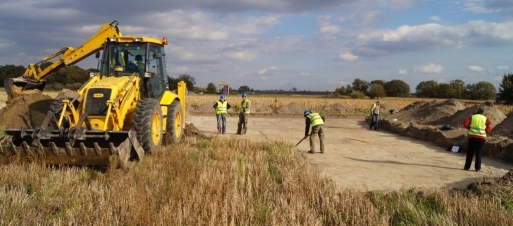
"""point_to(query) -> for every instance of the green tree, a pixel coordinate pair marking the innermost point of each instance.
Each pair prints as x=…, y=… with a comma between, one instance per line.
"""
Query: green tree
x=506, y=88
x=481, y=91
x=243, y=89
x=10, y=71
x=189, y=81
x=376, y=91
x=211, y=87
x=377, y=82
x=172, y=82
x=457, y=88
x=427, y=89
x=397, y=88
x=360, y=85
x=342, y=90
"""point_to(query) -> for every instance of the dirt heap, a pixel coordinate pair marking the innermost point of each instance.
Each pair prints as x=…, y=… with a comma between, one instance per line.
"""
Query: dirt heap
x=428, y=113
x=292, y=108
x=424, y=120
x=26, y=111
x=191, y=131
x=331, y=110
x=492, y=187
x=504, y=128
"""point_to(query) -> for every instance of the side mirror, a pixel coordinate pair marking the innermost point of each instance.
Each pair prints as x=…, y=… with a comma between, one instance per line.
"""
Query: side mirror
x=97, y=55
x=157, y=55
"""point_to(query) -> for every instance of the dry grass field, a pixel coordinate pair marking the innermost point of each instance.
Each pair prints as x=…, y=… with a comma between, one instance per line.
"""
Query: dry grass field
x=227, y=182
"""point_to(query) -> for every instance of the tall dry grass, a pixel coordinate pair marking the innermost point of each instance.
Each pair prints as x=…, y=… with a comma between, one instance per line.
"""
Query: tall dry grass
x=224, y=182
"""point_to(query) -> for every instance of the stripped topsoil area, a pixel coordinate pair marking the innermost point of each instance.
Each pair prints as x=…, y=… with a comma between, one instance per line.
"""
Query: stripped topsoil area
x=422, y=120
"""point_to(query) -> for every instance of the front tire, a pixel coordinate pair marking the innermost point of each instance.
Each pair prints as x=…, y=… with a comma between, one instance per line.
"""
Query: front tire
x=174, y=123
x=148, y=124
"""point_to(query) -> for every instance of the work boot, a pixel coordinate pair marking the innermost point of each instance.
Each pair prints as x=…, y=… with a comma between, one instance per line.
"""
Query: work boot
x=311, y=152
x=244, y=130
x=218, y=130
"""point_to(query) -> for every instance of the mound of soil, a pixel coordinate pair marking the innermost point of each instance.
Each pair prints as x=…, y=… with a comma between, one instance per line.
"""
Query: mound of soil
x=292, y=108
x=26, y=111
x=424, y=120
x=492, y=187
x=191, y=131
x=332, y=110
x=504, y=128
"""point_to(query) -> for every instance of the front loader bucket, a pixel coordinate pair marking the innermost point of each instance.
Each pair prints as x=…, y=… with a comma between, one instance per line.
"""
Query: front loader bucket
x=78, y=147
x=16, y=86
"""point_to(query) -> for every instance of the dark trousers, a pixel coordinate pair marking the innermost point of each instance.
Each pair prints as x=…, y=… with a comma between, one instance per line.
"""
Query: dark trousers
x=374, y=122
x=221, y=123
x=475, y=145
x=242, y=126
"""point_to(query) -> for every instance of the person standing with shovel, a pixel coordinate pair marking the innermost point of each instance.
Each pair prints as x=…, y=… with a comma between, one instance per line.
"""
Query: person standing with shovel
x=317, y=122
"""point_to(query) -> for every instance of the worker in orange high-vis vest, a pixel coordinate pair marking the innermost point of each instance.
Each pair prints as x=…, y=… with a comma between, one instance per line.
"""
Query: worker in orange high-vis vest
x=478, y=127
x=317, y=122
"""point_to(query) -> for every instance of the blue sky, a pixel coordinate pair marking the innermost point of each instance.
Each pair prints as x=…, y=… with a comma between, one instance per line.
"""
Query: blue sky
x=281, y=44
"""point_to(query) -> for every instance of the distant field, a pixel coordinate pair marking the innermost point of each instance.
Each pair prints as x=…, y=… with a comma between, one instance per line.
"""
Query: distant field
x=309, y=101
x=358, y=105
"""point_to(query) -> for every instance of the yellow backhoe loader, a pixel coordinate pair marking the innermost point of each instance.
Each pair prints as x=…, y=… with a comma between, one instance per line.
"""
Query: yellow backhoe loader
x=125, y=109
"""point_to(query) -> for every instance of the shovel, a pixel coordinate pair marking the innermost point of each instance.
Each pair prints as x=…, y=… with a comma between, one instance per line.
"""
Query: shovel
x=301, y=140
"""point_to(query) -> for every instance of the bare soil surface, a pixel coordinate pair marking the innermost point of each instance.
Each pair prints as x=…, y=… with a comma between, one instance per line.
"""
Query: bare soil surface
x=409, y=151
x=356, y=157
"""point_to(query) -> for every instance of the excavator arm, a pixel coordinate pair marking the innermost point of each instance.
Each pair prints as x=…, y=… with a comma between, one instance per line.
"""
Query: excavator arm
x=34, y=76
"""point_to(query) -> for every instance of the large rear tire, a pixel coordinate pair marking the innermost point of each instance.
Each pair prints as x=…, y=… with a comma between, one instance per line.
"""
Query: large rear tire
x=174, y=123
x=56, y=109
x=148, y=124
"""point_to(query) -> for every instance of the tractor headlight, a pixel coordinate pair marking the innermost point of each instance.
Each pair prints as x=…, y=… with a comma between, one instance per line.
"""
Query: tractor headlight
x=138, y=39
x=113, y=39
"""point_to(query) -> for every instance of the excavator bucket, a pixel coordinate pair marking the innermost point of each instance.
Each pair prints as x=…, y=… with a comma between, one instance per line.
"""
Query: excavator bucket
x=75, y=148
x=16, y=86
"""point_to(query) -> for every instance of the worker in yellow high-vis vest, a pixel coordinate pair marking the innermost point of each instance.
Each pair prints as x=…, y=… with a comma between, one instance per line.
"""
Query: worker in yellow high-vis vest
x=317, y=122
x=478, y=127
x=244, y=111
x=221, y=107
x=375, y=115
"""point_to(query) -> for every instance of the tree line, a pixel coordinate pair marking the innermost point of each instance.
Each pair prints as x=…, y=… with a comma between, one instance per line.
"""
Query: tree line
x=72, y=77
x=430, y=89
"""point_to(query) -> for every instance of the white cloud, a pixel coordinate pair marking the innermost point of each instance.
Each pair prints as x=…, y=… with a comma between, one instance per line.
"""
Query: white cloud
x=240, y=55
x=309, y=74
x=347, y=56
x=429, y=69
x=403, y=72
x=503, y=67
x=364, y=18
x=435, y=18
x=475, y=68
x=267, y=70
x=431, y=37
x=330, y=29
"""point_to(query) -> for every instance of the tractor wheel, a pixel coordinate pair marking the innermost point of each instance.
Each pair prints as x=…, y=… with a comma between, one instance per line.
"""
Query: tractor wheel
x=175, y=123
x=148, y=124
